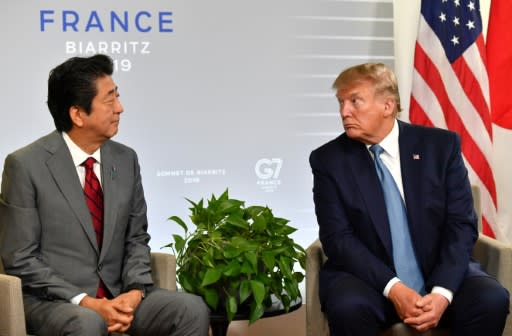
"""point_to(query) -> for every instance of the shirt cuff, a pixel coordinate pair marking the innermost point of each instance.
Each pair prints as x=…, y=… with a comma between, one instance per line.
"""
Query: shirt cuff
x=389, y=285
x=77, y=299
x=448, y=294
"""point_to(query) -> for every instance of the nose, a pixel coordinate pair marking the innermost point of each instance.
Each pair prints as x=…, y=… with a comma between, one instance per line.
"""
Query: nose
x=345, y=110
x=118, y=108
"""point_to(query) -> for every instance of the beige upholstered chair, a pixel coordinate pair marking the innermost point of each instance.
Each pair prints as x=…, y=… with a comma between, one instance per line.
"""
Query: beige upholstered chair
x=495, y=257
x=12, y=317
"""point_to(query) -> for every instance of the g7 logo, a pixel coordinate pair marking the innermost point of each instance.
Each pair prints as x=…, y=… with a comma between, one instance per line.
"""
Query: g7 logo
x=268, y=168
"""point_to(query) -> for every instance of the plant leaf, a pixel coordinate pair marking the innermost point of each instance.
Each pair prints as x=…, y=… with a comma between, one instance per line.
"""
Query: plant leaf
x=258, y=291
x=291, y=287
x=285, y=300
x=244, y=244
x=208, y=258
x=245, y=290
x=212, y=276
x=256, y=312
x=186, y=283
x=230, y=205
x=247, y=268
x=180, y=222
x=231, y=307
x=179, y=243
x=232, y=269
x=255, y=210
x=268, y=259
x=259, y=224
x=225, y=194
x=211, y=297
x=251, y=256
x=285, y=267
x=231, y=252
x=298, y=276
x=237, y=221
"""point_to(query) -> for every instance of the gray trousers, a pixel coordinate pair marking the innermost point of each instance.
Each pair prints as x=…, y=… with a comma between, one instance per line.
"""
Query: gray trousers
x=161, y=313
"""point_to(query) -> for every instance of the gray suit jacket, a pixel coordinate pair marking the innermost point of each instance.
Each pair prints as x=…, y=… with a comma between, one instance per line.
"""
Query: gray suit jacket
x=46, y=232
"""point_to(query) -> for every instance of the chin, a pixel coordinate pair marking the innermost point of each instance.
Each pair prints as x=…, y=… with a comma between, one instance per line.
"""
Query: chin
x=352, y=133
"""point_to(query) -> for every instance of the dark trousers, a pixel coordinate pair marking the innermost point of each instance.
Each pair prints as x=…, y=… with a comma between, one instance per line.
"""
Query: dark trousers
x=480, y=307
x=161, y=313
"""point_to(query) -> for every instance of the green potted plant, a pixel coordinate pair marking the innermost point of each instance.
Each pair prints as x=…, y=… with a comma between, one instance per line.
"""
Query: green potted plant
x=237, y=257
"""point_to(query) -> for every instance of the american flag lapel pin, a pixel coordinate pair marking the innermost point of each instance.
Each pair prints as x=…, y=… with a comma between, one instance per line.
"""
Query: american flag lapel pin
x=416, y=157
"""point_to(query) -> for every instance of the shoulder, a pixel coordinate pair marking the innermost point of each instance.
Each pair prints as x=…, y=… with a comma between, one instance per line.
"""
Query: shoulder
x=431, y=134
x=333, y=145
x=118, y=149
x=119, y=155
x=337, y=152
x=39, y=149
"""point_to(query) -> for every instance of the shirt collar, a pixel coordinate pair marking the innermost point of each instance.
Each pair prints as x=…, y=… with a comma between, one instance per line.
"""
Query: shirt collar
x=390, y=142
x=77, y=154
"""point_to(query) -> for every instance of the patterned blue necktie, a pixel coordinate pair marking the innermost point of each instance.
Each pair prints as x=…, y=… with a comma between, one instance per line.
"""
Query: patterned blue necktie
x=406, y=265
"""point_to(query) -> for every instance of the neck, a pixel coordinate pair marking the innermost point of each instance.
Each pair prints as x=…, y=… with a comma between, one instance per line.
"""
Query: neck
x=87, y=145
x=384, y=132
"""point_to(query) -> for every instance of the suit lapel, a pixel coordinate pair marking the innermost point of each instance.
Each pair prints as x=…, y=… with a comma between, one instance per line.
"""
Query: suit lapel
x=365, y=175
x=411, y=156
x=110, y=189
x=63, y=170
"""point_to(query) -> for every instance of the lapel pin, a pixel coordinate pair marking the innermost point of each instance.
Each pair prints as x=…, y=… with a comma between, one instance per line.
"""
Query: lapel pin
x=416, y=157
x=113, y=173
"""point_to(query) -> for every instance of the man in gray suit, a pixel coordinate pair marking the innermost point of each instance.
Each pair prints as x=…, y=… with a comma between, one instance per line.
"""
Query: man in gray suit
x=77, y=281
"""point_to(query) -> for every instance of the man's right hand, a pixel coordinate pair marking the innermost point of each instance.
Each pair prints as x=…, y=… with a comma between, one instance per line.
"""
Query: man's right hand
x=118, y=316
x=404, y=299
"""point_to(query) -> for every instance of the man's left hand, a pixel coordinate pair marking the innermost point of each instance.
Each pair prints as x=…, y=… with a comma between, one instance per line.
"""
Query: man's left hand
x=131, y=298
x=433, y=306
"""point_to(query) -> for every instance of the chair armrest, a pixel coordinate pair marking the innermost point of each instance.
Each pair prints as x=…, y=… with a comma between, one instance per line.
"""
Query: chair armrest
x=12, y=316
x=163, y=270
x=496, y=258
x=316, y=323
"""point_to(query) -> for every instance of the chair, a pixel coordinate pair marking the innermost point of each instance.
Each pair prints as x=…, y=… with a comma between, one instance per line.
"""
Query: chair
x=495, y=257
x=12, y=317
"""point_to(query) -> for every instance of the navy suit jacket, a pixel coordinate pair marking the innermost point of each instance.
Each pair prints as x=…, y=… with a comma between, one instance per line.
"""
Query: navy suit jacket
x=351, y=213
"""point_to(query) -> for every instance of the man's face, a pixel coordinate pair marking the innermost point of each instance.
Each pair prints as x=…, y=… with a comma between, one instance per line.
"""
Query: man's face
x=366, y=117
x=103, y=121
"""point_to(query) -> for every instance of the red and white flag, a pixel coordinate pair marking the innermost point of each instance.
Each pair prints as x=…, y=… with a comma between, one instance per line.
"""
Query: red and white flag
x=499, y=68
x=450, y=89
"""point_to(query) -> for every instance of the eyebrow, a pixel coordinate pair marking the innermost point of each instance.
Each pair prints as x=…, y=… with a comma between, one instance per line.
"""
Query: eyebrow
x=350, y=95
x=111, y=92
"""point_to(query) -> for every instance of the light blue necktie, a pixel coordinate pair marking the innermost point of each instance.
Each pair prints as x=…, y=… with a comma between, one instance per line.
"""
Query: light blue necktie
x=406, y=265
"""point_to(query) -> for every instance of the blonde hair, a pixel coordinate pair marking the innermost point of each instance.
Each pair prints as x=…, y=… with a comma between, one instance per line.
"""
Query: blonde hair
x=379, y=74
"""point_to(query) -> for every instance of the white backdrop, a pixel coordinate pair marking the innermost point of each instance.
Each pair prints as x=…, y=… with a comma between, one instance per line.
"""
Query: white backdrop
x=224, y=94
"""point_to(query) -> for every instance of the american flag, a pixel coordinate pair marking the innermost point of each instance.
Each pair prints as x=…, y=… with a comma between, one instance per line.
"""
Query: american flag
x=450, y=88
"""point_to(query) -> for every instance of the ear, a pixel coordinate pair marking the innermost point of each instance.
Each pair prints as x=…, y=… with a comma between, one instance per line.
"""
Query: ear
x=389, y=106
x=75, y=113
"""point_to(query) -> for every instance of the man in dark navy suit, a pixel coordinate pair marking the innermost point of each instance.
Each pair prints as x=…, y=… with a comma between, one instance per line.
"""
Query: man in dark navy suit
x=362, y=289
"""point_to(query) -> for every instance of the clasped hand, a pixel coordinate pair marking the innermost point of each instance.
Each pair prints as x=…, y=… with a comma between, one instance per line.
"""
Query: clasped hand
x=117, y=312
x=420, y=312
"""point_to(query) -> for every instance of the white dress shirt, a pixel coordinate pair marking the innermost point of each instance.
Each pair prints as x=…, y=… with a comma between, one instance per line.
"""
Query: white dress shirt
x=391, y=158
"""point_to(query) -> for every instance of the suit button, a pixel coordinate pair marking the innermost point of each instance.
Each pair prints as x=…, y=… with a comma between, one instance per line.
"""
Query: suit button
x=100, y=266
